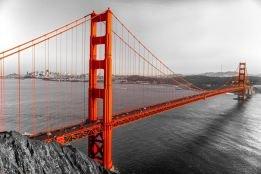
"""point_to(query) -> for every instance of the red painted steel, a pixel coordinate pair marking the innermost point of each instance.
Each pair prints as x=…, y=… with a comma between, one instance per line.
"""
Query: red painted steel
x=242, y=80
x=92, y=73
x=107, y=104
x=71, y=133
x=100, y=145
x=43, y=38
x=99, y=131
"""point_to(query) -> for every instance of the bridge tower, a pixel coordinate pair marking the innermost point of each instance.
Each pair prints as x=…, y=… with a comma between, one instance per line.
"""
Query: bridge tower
x=100, y=145
x=242, y=80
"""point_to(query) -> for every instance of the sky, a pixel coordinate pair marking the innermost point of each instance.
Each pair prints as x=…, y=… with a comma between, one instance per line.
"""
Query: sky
x=190, y=36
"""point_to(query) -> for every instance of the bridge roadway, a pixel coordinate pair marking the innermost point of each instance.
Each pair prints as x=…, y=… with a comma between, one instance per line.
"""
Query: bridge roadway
x=70, y=133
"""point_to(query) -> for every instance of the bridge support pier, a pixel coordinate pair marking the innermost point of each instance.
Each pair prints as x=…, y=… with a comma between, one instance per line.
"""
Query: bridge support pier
x=100, y=146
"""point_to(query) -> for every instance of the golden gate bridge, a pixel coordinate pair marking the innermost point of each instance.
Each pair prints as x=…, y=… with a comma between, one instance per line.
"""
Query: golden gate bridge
x=126, y=83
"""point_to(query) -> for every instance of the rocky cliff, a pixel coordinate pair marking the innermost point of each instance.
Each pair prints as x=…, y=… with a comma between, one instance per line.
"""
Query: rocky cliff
x=18, y=154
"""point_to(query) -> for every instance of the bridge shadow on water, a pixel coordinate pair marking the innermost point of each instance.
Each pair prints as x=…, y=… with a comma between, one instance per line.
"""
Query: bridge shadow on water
x=215, y=128
x=197, y=155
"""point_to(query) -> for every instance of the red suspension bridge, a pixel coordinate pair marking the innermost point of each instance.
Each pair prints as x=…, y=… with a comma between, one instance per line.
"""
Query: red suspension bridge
x=67, y=85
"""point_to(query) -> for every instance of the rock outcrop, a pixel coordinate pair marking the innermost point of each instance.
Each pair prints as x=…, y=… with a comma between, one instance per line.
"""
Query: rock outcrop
x=19, y=154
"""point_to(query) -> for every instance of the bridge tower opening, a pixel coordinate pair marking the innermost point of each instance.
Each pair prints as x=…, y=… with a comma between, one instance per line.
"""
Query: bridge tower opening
x=100, y=145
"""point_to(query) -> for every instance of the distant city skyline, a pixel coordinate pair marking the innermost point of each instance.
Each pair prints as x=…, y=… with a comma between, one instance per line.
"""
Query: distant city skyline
x=192, y=37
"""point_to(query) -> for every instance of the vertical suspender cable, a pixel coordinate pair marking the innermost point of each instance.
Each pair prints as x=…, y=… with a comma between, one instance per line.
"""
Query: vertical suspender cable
x=1, y=95
x=3, y=86
x=83, y=74
x=59, y=80
x=76, y=47
x=45, y=86
x=33, y=75
x=84, y=67
x=19, y=93
x=70, y=77
x=56, y=78
x=48, y=86
x=66, y=74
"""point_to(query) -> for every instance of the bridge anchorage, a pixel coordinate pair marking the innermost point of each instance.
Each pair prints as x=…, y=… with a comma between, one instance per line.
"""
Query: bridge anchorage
x=119, y=65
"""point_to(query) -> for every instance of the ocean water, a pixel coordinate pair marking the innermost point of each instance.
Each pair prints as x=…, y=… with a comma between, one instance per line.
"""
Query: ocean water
x=46, y=105
x=215, y=136
x=219, y=135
